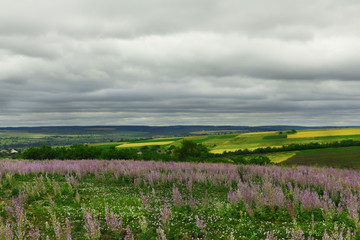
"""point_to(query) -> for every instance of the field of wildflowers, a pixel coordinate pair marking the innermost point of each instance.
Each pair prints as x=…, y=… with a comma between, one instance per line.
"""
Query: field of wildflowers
x=95, y=199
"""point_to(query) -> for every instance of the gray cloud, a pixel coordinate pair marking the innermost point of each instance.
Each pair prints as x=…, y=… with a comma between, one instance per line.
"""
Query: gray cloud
x=166, y=62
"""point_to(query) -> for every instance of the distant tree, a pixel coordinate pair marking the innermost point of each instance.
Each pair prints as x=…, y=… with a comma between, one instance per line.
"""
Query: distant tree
x=190, y=150
x=260, y=160
x=293, y=131
x=238, y=160
x=39, y=153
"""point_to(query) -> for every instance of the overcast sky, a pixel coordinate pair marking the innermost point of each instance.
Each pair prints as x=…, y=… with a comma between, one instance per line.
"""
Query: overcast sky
x=167, y=62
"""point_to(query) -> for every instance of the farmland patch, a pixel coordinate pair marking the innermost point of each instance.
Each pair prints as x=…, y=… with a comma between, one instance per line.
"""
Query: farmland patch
x=347, y=157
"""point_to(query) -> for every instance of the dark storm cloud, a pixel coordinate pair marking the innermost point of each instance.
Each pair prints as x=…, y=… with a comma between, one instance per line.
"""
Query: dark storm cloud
x=166, y=62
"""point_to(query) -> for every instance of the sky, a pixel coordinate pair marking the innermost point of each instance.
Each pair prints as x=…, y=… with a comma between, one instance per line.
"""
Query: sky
x=179, y=62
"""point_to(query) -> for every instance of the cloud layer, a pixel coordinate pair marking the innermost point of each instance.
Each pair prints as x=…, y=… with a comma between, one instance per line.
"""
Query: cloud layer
x=163, y=62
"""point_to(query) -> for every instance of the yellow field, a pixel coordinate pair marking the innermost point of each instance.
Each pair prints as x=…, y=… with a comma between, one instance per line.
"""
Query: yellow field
x=325, y=133
x=129, y=145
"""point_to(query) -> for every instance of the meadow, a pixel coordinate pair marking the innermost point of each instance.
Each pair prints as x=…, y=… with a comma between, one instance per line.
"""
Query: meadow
x=94, y=199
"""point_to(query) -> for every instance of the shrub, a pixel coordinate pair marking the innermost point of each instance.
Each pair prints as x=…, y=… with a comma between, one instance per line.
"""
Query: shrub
x=260, y=160
x=239, y=160
x=190, y=149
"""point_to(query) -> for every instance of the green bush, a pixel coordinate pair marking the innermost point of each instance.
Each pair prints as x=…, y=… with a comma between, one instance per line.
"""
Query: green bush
x=190, y=149
x=238, y=160
x=260, y=160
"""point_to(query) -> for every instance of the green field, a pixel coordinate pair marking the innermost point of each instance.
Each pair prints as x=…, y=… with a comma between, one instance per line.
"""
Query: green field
x=346, y=157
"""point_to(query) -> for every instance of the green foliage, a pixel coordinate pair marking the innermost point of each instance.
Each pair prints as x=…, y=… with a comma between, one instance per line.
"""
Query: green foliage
x=43, y=152
x=260, y=160
x=14, y=192
x=190, y=150
x=238, y=160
